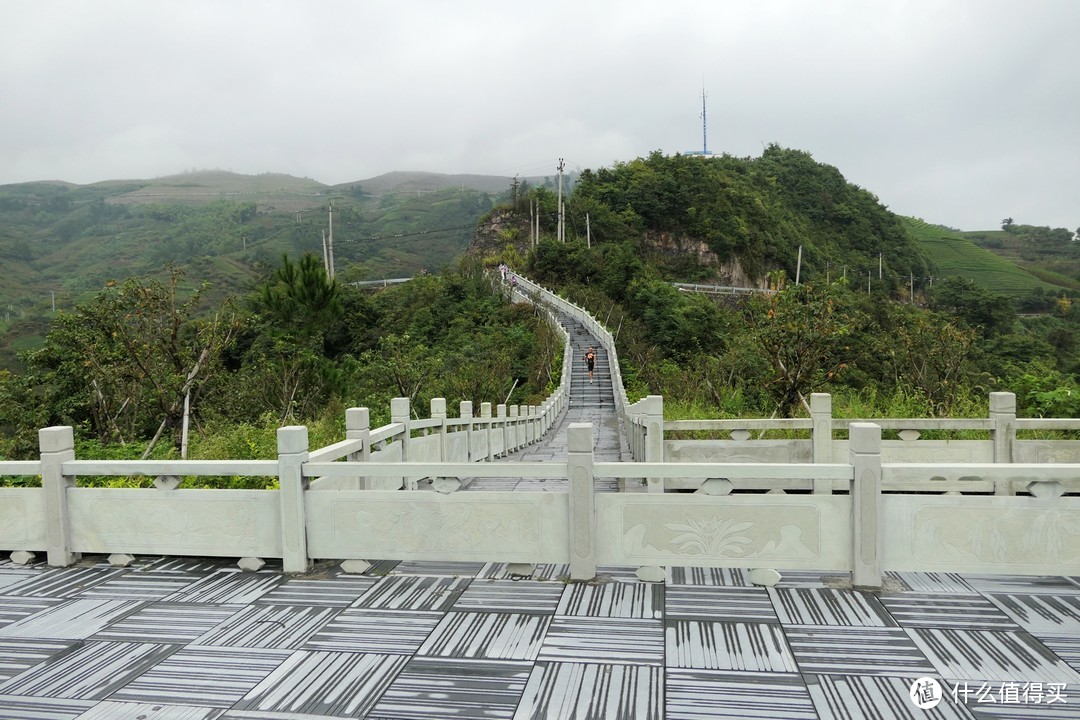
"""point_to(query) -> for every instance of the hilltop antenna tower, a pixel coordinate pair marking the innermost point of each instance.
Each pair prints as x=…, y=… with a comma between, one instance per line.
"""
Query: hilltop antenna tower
x=704, y=126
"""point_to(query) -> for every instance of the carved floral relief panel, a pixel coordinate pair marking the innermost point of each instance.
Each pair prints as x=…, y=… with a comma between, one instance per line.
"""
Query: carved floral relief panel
x=1016, y=535
x=719, y=531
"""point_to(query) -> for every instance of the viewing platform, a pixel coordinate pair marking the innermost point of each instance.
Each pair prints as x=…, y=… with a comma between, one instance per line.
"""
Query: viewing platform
x=580, y=558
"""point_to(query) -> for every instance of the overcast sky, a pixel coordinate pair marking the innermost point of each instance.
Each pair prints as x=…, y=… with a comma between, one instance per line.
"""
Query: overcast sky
x=961, y=112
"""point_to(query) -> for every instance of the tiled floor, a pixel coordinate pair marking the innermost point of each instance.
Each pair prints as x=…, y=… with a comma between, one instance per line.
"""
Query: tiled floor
x=191, y=639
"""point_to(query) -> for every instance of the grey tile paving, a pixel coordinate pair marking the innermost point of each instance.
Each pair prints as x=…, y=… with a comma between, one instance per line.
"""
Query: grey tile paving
x=593, y=692
x=702, y=645
x=487, y=635
x=857, y=651
x=213, y=677
x=387, y=632
x=696, y=694
x=706, y=645
x=324, y=684
x=431, y=687
x=604, y=640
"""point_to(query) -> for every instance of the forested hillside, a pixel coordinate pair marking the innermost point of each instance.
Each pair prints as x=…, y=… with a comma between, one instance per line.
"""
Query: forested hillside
x=60, y=243
x=883, y=344
x=298, y=348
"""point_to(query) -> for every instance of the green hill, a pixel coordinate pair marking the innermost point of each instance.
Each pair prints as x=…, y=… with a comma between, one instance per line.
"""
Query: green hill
x=62, y=242
x=954, y=253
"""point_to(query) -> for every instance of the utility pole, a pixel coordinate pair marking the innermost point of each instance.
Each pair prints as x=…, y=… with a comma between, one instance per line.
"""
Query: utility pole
x=325, y=256
x=879, y=266
x=867, y=282
x=53, y=300
x=588, y=232
x=911, y=287
x=331, y=243
x=561, y=231
x=798, y=266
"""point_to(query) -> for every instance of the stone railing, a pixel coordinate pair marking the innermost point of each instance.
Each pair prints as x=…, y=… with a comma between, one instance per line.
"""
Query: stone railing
x=765, y=532
x=962, y=463
x=530, y=291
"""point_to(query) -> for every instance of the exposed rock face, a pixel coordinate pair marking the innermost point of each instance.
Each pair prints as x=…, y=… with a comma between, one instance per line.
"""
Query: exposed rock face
x=504, y=228
x=500, y=230
x=726, y=272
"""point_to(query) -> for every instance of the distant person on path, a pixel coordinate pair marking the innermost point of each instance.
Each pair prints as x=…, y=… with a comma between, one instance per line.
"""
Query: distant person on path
x=502, y=271
x=590, y=362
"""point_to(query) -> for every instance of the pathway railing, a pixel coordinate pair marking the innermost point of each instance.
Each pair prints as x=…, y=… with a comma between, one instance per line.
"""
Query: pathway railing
x=863, y=526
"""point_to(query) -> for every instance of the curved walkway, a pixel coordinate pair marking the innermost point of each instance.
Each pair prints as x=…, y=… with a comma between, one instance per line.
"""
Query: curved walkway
x=590, y=402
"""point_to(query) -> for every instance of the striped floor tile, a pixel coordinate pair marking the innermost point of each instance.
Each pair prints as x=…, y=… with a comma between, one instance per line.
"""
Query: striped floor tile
x=932, y=582
x=707, y=576
x=812, y=579
x=12, y=578
x=698, y=645
x=438, y=688
x=408, y=592
x=63, y=582
x=387, y=632
x=42, y=708
x=429, y=567
x=93, y=671
x=228, y=587
x=489, y=636
x=1044, y=613
x=700, y=694
x=542, y=572
x=622, y=600
x=21, y=654
x=991, y=655
x=178, y=623
x=14, y=609
x=868, y=698
x=1066, y=647
x=623, y=641
x=339, y=591
x=110, y=710
x=728, y=604
x=823, y=606
x=856, y=651
x=73, y=620
x=194, y=567
x=1023, y=584
x=204, y=676
x=139, y=586
x=521, y=596
x=269, y=626
x=324, y=683
x=956, y=610
x=593, y=692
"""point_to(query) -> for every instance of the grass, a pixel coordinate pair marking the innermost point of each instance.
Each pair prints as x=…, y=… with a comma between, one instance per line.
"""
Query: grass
x=954, y=254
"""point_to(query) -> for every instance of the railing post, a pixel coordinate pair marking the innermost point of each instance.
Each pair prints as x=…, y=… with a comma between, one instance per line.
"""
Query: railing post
x=358, y=427
x=515, y=435
x=866, y=527
x=1003, y=434
x=465, y=413
x=438, y=412
x=500, y=412
x=57, y=446
x=485, y=414
x=292, y=454
x=399, y=413
x=579, y=469
x=821, y=437
x=654, y=436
